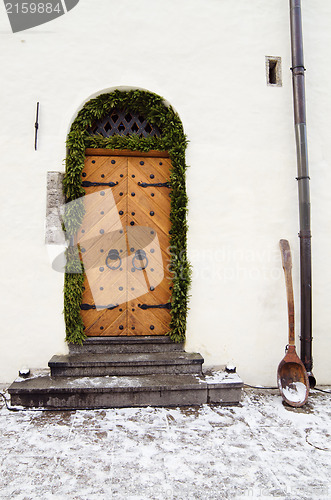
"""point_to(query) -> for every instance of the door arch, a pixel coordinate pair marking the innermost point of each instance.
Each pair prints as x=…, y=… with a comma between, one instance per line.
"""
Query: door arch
x=138, y=127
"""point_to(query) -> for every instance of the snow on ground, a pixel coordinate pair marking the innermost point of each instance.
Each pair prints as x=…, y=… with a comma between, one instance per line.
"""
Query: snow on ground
x=261, y=449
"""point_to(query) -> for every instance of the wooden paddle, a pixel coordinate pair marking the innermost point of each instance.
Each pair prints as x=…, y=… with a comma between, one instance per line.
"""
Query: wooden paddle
x=292, y=376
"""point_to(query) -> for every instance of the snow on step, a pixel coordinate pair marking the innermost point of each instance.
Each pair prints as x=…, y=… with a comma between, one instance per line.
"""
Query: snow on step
x=125, y=364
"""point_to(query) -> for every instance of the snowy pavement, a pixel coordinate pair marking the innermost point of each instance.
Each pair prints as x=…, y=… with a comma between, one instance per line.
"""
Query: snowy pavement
x=260, y=449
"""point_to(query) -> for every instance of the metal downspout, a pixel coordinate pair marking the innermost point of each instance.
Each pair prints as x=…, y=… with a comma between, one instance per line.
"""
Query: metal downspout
x=298, y=80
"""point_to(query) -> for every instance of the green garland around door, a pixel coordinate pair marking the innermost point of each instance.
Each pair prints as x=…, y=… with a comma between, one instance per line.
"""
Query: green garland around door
x=173, y=140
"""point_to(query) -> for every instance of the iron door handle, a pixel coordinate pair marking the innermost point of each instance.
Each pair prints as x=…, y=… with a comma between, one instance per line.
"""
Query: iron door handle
x=113, y=255
x=141, y=256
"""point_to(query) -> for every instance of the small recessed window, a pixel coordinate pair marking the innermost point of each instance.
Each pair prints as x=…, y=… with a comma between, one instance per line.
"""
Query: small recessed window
x=274, y=71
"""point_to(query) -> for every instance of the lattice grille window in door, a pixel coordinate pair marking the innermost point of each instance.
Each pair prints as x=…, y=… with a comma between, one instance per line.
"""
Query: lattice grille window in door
x=124, y=123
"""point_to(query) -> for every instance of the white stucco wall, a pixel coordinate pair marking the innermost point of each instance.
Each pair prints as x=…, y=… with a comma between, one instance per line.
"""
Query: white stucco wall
x=207, y=58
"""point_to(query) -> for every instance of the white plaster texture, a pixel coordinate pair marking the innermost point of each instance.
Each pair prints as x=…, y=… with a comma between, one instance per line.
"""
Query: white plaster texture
x=207, y=58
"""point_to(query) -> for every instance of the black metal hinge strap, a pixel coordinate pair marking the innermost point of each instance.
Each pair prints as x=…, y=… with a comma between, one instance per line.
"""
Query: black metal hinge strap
x=155, y=184
x=158, y=306
x=89, y=184
x=87, y=307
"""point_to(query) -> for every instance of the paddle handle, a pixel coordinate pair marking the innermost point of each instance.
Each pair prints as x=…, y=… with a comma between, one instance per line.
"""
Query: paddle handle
x=287, y=266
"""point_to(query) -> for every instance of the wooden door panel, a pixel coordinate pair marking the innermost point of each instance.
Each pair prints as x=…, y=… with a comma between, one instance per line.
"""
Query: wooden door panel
x=147, y=322
x=102, y=250
x=147, y=300
x=148, y=211
x=156, y=275
x=124, y=243
x=144, y=168
x=156, y=196
x=145, y=212
x=100, y=212
x=102, y=231
x=106, y=323
x=111, y=167
x=95, y=167
x=142, y=219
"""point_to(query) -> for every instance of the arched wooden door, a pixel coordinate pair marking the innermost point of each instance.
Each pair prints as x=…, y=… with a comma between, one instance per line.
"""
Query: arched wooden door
x=124, y=243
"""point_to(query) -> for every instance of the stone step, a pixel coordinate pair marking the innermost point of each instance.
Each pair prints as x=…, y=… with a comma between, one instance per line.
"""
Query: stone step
x=99, y=365
x=126, y=344
x=116, y=392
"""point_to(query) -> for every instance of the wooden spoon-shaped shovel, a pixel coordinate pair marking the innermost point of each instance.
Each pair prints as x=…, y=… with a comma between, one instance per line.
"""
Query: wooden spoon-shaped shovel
x=292, y=376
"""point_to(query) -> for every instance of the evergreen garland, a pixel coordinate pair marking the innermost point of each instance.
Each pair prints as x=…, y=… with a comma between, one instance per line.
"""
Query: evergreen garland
x=173, y=140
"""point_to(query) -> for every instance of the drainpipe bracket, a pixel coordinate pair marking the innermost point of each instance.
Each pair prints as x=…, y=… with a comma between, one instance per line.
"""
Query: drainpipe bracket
x=305, y=234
